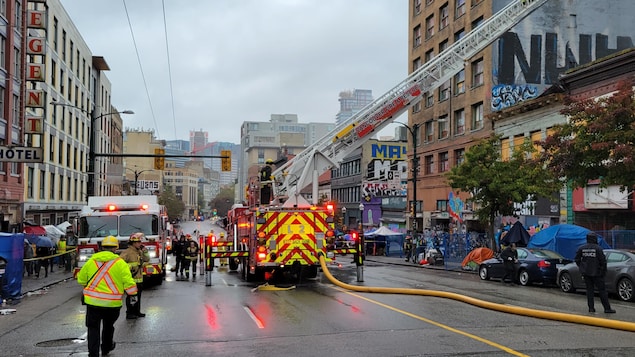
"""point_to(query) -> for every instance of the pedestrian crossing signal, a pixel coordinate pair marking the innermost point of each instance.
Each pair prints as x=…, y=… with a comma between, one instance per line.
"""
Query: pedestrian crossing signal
x=226, y=160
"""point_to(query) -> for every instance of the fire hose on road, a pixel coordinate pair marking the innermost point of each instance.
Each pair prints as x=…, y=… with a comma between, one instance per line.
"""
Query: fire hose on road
x=517, y=310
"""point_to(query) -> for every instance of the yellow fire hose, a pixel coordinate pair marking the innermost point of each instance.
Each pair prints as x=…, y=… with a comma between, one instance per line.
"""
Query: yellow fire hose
x=517, y=310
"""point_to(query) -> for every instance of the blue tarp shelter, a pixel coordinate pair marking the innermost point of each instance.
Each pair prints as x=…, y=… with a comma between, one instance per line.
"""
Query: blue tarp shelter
x=12, y=251
x=564, y=239
x=383, y=237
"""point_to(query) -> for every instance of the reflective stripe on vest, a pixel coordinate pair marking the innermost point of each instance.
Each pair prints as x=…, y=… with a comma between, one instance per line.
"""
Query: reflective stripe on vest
x=98, y=298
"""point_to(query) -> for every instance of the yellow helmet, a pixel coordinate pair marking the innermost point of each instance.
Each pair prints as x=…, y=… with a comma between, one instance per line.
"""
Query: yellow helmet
x=269, y=162
x=222, y=234
x=110, y=241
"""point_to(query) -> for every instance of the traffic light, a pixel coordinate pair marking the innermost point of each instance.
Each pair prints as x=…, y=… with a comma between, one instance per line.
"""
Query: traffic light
x=159, y=161
x=215, y=212
x=354, y=236
x=226, y=160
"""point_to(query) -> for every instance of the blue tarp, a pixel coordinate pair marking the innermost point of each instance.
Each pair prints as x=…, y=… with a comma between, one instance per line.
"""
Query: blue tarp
x=12, y=250
x=563, y=238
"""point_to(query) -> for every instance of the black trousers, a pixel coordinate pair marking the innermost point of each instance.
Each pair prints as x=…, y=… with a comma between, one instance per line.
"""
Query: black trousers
x=591, y=283
x=95, y=315
x=509, y=271
x=136, y=308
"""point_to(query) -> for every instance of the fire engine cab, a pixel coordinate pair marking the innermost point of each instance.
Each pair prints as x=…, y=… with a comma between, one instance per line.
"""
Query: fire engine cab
x=120, y=216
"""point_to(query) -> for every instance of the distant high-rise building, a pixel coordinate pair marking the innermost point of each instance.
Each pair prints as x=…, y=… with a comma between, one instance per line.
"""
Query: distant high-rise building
x=351, y=102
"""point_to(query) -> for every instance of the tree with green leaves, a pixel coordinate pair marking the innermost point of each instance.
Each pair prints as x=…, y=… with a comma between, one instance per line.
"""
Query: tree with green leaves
x=172, y=203
x=496, y=186
x=223, y=201
x=597, y=142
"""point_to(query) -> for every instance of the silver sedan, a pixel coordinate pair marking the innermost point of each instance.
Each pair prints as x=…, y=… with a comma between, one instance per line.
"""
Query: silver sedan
x=620, y=275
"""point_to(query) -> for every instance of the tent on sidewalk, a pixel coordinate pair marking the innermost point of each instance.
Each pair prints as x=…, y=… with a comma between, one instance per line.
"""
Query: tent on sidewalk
x=384, y=237
x=476, y=257
x=564, y=239
x=516, y=234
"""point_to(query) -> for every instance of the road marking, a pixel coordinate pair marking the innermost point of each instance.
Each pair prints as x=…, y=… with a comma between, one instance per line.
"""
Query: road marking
x=254, y=317
x=445, y=327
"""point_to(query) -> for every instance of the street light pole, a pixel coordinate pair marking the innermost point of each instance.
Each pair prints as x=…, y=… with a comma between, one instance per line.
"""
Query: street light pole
x=361, y=217
x=91, y=140
x=415, y=173
x=136, y=179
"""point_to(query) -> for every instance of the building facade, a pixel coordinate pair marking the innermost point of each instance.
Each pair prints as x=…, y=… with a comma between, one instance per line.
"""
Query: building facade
x=351, y=102
x=517, y=67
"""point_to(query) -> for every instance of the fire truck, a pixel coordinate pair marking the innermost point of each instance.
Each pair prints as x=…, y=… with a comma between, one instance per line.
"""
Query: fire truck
x=285, y=231
x=120, y=216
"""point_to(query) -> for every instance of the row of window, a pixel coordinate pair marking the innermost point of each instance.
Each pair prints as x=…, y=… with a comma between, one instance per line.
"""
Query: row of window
x=443, y=161
x=347, y=169
x=459, y=6
x=455, y=125
x=59, y=187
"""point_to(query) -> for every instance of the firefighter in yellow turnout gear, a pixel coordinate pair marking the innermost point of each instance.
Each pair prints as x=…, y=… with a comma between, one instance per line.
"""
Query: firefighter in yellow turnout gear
x=105, y=278
x=136, y=256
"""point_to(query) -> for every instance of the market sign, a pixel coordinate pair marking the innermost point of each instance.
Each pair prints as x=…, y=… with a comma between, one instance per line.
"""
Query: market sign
x=21, y=154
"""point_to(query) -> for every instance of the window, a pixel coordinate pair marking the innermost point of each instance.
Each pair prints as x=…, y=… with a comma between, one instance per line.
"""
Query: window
x=52, y=187
x=459, y=122
x=416, y=36
x=29, y=182
x=416, y=108
x=459, y=157
x=2, y=105
x=444, y=91
x=417, y=7
x=64, y=45
x=459, y=82
x=476, y=2
x=442, y=205
x=477, y=116
x=17, y=66
x=476, y=23
x=443, y=45
x=443, y=127
x=416, y=64
x=429, y=162
x=459, y=35
x=444, y=14
x=428, y=2
x=429, y=132
x=429, y=26
x=16, y=113
x=3, y=55
x=72, y=50
x=51, y=146
x=477, y=73
x=41, y=183
x=444, y=162
x=429, y=99
x=55, y=33
x=459, y=9
x=3, y=8
x=53, y=73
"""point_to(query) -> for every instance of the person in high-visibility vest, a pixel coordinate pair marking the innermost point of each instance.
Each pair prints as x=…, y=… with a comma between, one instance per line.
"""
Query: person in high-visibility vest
x=136, y=255
x=105, y=277
x=61, y=248
x=191, y=256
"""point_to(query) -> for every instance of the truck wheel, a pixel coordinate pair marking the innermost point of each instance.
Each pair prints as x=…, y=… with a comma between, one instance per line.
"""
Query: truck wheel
x=233, y=264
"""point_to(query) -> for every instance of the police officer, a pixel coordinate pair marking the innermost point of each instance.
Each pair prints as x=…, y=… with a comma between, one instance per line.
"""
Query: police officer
x=103, y=300
x=591, y=260
x=136, y=256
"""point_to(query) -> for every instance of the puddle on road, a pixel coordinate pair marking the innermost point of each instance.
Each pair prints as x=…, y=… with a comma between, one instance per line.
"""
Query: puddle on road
x=60, y=342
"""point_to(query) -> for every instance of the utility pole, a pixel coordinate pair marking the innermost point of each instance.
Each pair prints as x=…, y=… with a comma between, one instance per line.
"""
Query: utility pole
x=413, y=205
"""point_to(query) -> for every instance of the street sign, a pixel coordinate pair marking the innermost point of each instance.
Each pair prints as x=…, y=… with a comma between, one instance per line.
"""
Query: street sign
x=21, y=154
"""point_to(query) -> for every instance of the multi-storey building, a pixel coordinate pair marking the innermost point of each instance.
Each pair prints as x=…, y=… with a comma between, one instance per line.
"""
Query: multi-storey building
x=351, y=101
x=517, y=67
x=77, y=122
x=140, y=174
x=280, y=137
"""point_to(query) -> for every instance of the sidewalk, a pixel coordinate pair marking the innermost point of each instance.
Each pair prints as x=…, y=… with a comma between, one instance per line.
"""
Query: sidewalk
x=31, y=284
x=396, y=260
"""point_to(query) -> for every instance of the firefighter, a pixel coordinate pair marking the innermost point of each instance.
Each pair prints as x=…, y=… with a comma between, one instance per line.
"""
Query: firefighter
x=105, y=277
x=179, y=252
x=191, y=258
x=265, y=186
x=136, y=255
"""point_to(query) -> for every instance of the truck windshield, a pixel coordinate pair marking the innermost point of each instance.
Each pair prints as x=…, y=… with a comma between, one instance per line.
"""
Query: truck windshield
x=147, y=224
x=90, y=227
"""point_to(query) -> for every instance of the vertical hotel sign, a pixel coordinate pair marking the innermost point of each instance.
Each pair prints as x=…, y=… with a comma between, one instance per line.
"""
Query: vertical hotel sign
x=35, y=67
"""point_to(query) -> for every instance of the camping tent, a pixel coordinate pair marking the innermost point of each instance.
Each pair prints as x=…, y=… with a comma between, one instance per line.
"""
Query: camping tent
x=476, y=257
x=516, y=234
x=54, y=233
x=563, y=238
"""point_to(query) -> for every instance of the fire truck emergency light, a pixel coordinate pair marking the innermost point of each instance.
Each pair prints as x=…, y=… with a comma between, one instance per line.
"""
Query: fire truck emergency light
x=112, y=208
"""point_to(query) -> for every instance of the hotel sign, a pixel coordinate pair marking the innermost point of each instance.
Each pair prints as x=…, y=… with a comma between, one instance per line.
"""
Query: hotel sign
x=21, y=154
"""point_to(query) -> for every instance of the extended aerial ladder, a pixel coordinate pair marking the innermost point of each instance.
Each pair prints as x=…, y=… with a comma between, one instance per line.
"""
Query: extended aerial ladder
x=329, y=151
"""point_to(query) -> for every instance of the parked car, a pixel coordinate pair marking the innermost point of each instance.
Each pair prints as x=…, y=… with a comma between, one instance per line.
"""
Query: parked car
x=534, y=266
x=620, y=275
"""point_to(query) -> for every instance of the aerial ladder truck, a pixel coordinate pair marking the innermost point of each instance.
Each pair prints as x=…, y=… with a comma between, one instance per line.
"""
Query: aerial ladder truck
x=291, y=233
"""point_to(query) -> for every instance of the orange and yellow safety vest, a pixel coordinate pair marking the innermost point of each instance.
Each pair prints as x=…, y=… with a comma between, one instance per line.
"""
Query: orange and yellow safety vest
x=106, y=287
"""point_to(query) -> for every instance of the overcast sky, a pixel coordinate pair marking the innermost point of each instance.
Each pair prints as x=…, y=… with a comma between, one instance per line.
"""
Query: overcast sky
x=241, y=60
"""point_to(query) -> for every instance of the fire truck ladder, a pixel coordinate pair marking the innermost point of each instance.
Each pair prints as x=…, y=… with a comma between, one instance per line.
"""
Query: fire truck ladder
x=329, y=151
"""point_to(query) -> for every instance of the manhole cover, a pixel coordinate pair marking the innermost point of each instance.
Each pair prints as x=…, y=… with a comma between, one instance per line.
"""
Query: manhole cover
x=60, y=342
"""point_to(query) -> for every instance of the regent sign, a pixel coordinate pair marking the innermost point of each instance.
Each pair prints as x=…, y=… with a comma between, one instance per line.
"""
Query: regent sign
x=21, y=154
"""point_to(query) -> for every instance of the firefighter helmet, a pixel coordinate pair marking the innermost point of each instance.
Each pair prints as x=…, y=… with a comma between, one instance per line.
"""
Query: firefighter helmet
x=136, y=237
x=110, y=241
x=222, y=234
x=269, y=162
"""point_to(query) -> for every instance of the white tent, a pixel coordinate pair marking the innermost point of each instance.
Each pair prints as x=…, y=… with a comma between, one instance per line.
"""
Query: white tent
x=54, y=233
x=382, y=231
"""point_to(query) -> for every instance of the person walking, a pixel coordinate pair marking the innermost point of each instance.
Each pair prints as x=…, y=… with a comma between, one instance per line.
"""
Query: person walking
x=61, y=248
x=180, y=256
x=510, y=258
x=105, y=277
x=28, y=256
x=191, y=258
x=591, y=260
x=136, y=255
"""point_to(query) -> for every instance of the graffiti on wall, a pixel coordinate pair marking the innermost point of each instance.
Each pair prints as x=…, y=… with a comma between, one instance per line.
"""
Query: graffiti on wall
x=507, y=95
x=387, y=171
